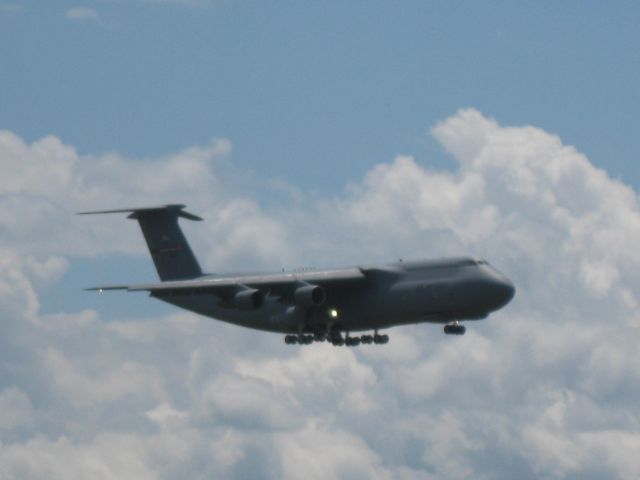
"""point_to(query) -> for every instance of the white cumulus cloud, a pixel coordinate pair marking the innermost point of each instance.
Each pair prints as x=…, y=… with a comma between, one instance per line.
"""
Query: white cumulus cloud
x=546, y=388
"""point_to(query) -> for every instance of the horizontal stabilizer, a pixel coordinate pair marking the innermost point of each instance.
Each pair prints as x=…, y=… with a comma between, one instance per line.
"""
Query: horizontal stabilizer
x=110, y=287
x=136, y=213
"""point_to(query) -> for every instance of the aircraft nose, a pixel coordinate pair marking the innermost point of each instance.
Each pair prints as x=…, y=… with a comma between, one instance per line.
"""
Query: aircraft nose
x=503, y=291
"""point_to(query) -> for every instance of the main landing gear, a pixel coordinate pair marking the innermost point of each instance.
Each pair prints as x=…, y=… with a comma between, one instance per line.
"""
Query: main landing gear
x=298, y=339
x=336, y=339
x=455, y=328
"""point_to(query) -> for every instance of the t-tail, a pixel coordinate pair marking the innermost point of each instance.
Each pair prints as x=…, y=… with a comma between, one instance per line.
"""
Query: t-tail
x=169, y=248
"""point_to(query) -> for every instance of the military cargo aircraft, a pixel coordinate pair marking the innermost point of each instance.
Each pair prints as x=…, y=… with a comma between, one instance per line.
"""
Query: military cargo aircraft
x=318, y=305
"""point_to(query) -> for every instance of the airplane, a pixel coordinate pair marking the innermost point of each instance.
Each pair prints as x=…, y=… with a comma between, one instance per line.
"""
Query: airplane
x=317, y=305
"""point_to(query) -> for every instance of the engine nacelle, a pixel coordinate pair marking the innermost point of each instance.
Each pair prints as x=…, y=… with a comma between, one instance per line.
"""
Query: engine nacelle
x=248, y=299
x=310, y=296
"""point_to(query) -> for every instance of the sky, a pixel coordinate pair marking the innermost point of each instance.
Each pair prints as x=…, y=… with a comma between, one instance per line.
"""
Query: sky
x=320, y=134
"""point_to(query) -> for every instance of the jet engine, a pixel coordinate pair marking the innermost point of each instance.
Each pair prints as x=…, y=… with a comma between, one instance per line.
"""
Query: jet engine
x=248, y=299
x=310, y=296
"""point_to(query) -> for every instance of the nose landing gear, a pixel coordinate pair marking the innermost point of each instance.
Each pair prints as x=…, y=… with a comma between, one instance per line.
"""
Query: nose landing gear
x=455, y=328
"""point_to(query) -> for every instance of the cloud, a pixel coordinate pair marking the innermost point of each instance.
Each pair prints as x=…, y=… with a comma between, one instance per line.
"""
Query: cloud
x=546, y=388
x=48, y=181
x=82, y=14
x=15, y=409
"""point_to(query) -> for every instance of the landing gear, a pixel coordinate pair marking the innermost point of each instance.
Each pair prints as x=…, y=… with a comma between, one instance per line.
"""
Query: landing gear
x=352, y=341
x=336, y=339
x=380, y=339
x=366, y=339
x=454, y=329
x=320, y=337
x=298, y=339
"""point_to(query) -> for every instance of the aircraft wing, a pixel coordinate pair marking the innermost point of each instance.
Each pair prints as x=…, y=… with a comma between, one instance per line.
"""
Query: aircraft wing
x=278, y=283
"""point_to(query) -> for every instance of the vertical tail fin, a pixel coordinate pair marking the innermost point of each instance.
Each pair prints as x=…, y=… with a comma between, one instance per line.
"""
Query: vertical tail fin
x=169, y=249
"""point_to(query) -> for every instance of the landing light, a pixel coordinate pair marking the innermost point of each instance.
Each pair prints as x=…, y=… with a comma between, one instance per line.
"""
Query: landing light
x=333, y=313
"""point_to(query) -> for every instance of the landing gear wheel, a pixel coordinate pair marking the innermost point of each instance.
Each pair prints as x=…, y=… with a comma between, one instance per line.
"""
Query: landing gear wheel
x=320, y=337
x=380, y=339
x=455, y=329
x=352, y=341
x=336, y=339
x=366, y=339
x=290, y=339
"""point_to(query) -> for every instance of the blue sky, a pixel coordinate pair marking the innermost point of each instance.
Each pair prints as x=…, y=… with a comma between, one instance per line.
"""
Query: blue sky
x=320, y=133
x=303, y=87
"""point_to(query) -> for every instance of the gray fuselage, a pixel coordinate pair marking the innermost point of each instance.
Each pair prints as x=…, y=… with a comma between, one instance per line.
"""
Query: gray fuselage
x=438, y=291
